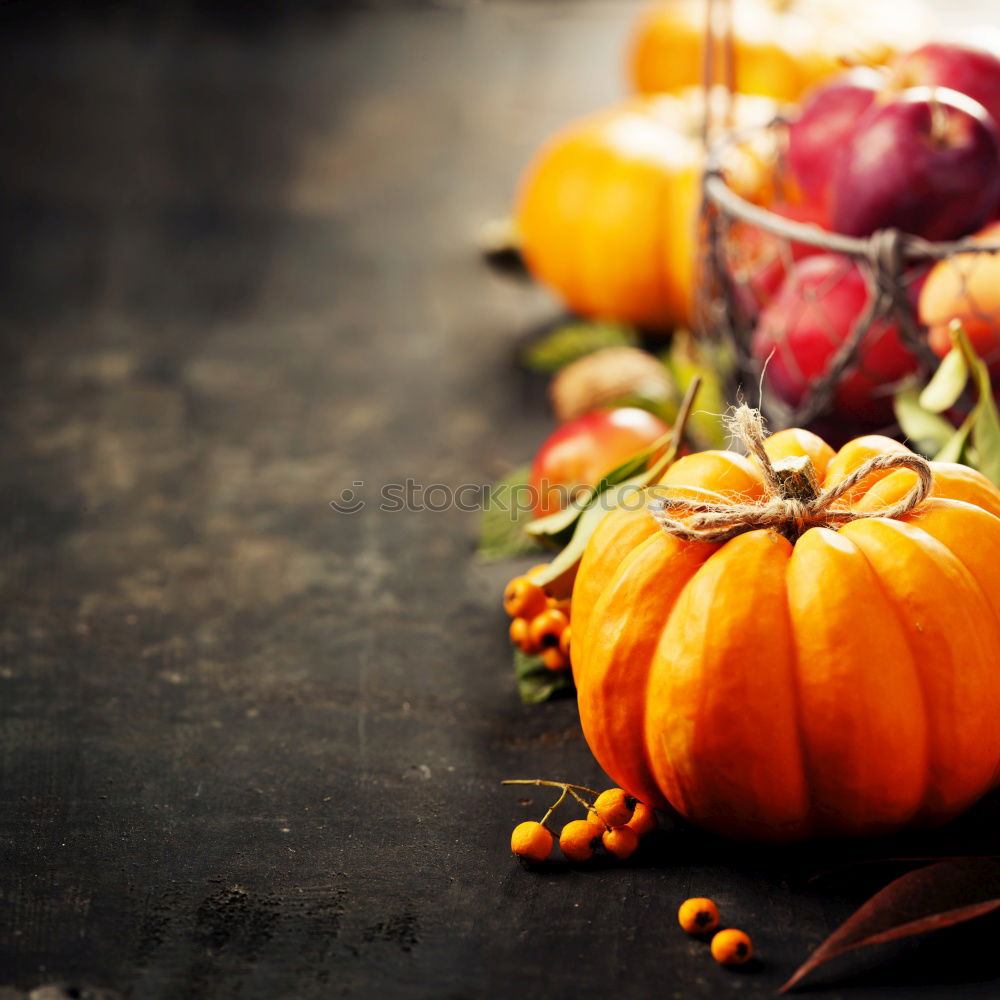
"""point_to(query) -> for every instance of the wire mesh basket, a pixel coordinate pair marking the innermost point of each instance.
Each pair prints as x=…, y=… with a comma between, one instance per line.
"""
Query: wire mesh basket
x=751, y=255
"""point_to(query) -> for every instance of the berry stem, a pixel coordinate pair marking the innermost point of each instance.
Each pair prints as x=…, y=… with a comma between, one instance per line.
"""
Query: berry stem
x=589, y=806
x=551, y=784
x=554, y=806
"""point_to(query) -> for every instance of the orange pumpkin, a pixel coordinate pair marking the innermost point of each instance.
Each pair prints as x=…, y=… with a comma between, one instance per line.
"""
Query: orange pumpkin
x=607, y=209
x=781, y=47
x=844, y=683
x=965, y=286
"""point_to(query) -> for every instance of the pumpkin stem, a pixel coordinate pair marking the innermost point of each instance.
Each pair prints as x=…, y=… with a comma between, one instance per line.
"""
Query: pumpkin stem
x=793, y=501
x=796, y=476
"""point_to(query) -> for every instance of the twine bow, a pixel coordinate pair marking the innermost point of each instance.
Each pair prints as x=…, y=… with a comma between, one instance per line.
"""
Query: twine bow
x=793, y=502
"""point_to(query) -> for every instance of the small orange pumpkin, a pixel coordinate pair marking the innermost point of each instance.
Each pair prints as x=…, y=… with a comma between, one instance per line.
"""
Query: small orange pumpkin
x=607, y=209
x=965, y=286
x=841, y=683
x=781, y=47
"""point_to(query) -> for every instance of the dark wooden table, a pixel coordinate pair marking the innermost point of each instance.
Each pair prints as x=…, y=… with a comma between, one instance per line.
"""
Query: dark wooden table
x=251, y=747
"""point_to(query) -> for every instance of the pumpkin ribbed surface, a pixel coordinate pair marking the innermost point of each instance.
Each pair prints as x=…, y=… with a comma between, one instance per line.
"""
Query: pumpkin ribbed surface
x=847, y=683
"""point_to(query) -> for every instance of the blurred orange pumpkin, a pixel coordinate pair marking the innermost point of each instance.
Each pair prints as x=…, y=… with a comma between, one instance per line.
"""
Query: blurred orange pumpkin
x=607, y=210
x=966, y=287
x=781, y=47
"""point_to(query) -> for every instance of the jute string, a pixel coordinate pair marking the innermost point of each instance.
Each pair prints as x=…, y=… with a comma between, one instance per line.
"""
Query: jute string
x=700, y=521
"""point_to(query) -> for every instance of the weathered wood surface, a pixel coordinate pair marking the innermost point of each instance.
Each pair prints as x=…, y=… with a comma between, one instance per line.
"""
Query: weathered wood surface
x=250, y=747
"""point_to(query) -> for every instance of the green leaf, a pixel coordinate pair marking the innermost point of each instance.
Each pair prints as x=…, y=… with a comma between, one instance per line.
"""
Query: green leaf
x=564, y=344
x=555, y=526
x=535, y=682
x=501, y=530
x=986, y=439
x=559, y=576
x=687, y=358
x=984, y=420
x=927, y=432
x=638, y=467
x=953, y=449
x=947, y=384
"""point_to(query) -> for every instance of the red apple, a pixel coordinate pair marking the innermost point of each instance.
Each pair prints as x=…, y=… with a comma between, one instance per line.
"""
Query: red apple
x=758, y=260
x=828, y=117
x=926, y=162
x=965, y=68
x=584, y=450
x=812, y=315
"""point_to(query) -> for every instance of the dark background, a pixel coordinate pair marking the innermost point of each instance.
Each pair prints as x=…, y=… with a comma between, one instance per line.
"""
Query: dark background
x=250, y=747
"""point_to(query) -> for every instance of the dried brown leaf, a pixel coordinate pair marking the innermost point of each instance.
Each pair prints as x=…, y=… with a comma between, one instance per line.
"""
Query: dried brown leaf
x=928, y=899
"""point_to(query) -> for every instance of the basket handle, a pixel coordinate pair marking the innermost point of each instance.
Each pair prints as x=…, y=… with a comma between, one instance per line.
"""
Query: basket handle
x=718, y=13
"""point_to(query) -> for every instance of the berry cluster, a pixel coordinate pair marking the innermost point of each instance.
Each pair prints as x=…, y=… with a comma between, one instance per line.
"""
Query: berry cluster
x=701, y=916
x=614, y=821
x=540, y=624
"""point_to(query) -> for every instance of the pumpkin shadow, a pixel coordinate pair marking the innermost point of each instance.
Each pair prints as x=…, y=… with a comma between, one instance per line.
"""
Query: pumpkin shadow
x=844, y=868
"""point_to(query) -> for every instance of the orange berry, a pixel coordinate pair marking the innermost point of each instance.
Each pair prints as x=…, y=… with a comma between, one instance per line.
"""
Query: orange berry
x=554, y=659
x=643, y=820
x=523, y=599
x=531, y=841
x=518, y=632
x=564, y=641
x=561, y=604
x=545, y=629
x=698, y=915
x=577, y=840
x=615, y=807
x=620, y=841
x=598, y=824
x=731, y=947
